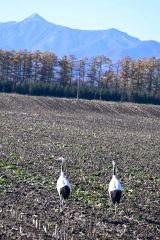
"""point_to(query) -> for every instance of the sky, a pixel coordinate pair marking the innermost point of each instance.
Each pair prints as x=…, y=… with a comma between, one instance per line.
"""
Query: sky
x=138, y=18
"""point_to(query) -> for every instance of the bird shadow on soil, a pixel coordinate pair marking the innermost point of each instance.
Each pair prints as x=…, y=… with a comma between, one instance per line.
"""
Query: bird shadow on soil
x=116, y=221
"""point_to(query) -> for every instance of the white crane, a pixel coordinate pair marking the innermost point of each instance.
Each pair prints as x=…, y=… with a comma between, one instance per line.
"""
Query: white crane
x=63, y=185
x=115, y=188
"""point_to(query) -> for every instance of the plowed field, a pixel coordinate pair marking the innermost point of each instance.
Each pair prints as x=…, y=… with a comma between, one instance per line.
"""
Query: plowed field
x=35, y=131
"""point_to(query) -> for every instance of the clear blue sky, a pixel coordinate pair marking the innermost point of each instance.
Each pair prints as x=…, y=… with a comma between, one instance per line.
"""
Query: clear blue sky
x=139, y=18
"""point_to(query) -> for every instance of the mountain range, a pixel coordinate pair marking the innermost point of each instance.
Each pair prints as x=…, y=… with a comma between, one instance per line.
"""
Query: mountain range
x=36, y=33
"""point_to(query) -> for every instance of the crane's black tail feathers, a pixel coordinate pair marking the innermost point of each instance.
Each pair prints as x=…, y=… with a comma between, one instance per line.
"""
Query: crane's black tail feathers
x=116, y=196
x=65, y=192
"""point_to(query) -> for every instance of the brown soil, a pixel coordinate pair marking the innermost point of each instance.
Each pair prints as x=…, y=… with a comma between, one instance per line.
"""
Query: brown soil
x=35, y=131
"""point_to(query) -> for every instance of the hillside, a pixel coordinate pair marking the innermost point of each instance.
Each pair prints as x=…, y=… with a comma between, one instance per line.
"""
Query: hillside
x=35, y=131
x=15, y=102
x=35, y=33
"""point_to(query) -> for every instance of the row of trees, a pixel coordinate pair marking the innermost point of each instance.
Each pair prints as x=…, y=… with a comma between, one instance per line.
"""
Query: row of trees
x=43, y=73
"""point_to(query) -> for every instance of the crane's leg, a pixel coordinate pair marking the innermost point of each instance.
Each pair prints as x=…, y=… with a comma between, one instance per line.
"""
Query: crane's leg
x=115, y=208
x=110, y=203
x=60, y=203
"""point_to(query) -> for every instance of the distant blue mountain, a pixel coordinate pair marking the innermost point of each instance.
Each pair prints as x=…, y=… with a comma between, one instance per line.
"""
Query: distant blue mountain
x=35, y=33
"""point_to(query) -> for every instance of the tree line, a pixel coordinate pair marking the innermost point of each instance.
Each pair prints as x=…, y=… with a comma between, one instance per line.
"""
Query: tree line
x=43, y=73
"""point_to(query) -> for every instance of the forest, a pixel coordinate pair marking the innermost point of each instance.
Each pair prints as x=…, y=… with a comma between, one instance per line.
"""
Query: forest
x=44, y=74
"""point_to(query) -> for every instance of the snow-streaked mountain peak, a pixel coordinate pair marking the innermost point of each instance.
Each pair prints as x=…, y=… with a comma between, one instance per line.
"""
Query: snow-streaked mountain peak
x=35, y=33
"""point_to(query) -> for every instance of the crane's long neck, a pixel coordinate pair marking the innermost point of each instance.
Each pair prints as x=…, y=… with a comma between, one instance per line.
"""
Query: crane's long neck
x=114, y=169
x=62, y=166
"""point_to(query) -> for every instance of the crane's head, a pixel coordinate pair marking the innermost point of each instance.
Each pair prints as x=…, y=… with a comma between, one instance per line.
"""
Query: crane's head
x=62, y=159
